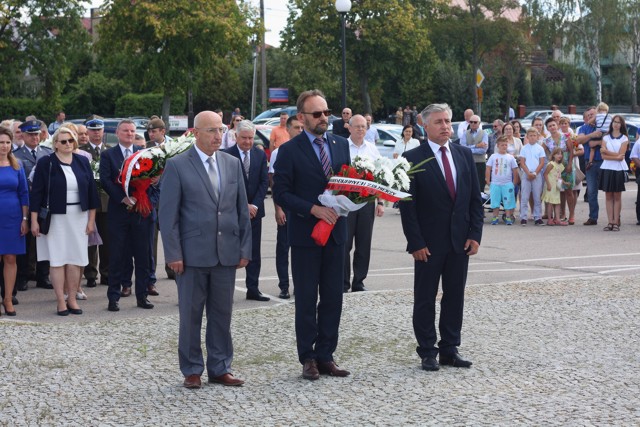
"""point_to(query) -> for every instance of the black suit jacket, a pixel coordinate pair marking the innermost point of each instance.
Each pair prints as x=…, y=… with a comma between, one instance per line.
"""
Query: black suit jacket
x=299, y=180
x=258, y=182
x=432, y=219
x=339, y=129
x=87, y=190
x=110, y=165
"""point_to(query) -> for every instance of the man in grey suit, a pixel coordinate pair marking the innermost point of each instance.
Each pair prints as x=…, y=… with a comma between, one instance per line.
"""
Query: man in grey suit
x=206, y=234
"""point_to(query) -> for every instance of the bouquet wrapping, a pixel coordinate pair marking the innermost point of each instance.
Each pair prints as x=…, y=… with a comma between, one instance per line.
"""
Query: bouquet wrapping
x=361, y=182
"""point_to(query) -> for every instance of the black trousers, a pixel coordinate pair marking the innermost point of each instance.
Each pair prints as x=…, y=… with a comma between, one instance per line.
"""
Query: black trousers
x=317, y=272
x=452, y=269
x=253, y=268
x=136, y=233
x=282, y=257
x=360, y=230
x=638, y=197
x=481, y=168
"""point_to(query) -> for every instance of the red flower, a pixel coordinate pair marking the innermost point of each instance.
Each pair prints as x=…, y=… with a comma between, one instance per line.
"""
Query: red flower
x=369, y=176
x=145, y=165
x=353, y=173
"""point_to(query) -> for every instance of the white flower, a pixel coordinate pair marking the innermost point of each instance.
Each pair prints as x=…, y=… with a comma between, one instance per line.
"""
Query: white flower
x=364, y=163
x=402, y=180
x=402, y=163
x=177, y=146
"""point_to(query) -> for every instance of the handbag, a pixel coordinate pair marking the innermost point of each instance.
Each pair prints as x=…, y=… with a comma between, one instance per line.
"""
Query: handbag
x=579, y=176
x=44, y=214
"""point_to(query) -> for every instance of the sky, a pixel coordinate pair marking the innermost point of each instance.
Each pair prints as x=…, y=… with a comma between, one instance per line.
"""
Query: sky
x=275, y=16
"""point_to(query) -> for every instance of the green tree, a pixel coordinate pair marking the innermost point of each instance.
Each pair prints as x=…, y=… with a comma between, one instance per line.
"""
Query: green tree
x=476, y=29
x=47, y=38
x=94, y=94
x=590, y=29
x=385, y=42
x=170, y=42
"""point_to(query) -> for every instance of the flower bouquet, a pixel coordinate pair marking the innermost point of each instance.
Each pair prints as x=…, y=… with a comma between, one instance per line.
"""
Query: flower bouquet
x=144, y=167
x=361, y=182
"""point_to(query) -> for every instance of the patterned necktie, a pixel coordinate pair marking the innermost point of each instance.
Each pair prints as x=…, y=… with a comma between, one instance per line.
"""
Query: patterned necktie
x=213, y=175
x=324, y=159
x=448, y=175
x=127, y=153
x=245, y=163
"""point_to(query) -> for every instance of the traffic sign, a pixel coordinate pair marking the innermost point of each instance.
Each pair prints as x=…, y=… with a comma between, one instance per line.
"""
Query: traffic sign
x=479, y=78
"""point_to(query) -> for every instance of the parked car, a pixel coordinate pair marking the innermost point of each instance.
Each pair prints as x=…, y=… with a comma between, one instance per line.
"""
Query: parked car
x=527, y=120
x=389, y=134
x=110, y=126
x=264, y=117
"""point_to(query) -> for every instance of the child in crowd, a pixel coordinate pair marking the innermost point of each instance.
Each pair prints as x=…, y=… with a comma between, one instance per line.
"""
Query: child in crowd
x=603, y=123
x=553, y=184
x=502, y=175
x=532, y=159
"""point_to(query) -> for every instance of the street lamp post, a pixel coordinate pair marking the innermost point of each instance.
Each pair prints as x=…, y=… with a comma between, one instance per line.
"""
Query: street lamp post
x=343, y=6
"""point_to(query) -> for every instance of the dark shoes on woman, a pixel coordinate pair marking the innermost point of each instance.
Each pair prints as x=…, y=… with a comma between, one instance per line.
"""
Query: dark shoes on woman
x=7, y=312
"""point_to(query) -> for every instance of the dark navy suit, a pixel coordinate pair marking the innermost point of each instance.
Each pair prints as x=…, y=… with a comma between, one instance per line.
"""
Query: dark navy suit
x=129, y=232
x=434, y=220
x=298, y=181
x=256, y=186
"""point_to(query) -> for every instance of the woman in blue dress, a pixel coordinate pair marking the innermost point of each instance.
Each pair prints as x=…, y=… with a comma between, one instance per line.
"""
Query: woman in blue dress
x=14, y=207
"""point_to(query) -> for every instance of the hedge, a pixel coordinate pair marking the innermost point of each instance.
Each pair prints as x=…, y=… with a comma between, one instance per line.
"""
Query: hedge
x=133, y=104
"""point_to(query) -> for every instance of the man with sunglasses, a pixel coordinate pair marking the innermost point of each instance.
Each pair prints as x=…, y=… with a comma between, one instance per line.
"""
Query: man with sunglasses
x=305, y=164
x=341, y=126
x=477, y=140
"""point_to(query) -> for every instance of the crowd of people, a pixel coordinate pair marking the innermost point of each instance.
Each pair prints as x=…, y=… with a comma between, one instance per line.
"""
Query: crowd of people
x=62, y=221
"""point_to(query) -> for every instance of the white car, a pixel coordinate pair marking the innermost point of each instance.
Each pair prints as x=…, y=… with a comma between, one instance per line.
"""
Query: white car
x=527, y=120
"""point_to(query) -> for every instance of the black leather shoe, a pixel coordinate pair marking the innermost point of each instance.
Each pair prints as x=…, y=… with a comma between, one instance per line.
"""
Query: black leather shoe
x=455, y=360
x=126, y=292
x=257, y=296
x=144, y=303
x=358, y=289
x=113, y=306
x=430, y=364
x=74, y=310
x=91, y=283
x=104, y=281
x=22, y=285
x=63, y=313
x=44, y=284
x=284, y=294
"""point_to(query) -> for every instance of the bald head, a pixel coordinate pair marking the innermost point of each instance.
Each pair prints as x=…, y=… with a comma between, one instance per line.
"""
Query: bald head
x=208, y=131
x=467, y=114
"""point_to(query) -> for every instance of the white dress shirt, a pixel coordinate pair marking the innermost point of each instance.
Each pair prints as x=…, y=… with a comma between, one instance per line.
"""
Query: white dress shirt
x=366, y=149
x=436, y=150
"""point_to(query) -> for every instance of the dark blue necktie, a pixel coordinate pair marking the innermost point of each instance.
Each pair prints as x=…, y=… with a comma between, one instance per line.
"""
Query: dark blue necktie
x=324, y=159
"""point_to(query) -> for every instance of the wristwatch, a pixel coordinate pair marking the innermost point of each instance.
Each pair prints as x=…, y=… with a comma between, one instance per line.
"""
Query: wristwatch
x=24, y=218
x=380, y=204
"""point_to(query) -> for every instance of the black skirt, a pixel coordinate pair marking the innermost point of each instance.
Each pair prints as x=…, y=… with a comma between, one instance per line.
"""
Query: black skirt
x=611, y=181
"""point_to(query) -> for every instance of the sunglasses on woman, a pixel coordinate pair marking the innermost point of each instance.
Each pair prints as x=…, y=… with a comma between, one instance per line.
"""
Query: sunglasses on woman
x=65, y=141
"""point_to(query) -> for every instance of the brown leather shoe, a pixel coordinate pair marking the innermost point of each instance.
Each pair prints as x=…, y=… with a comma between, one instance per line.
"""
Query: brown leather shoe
x=310, y=370
x=227, y=379
x=151, y=290
x=126, y=292
x=330, y=368
x=192, y=381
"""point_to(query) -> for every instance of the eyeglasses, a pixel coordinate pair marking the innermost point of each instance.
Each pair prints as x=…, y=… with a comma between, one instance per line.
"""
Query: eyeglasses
x=318, y=114
x=473, y=123
x=237, y=120
x=361, y=127
x=345, y=113
x=65, y=141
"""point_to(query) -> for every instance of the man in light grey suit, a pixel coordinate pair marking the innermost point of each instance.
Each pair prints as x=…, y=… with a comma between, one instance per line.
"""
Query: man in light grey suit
x=206, y=233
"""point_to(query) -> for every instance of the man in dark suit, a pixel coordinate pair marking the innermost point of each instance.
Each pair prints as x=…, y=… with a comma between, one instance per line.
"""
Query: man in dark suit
x=95, y=147
x=304, y=165
x=29, y=154
x=443, y=227
x=127, y=228
x=206, y=234
x=341, y=126
x=418, y=130
x=256, y=183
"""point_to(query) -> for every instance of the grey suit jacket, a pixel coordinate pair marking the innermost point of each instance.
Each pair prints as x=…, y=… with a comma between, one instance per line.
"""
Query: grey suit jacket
x=28, y=162
x=197, y=227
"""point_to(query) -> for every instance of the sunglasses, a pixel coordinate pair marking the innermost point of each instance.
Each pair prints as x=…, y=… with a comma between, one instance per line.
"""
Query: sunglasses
x=65, y=141
x=474, y=122
x=318, y=114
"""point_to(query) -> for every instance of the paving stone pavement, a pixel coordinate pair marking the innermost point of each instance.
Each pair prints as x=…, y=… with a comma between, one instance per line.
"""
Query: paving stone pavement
x=562, y=352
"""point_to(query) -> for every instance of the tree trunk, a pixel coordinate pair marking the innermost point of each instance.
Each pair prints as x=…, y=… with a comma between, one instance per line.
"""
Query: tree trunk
x=364, y=92
x=166, y=107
